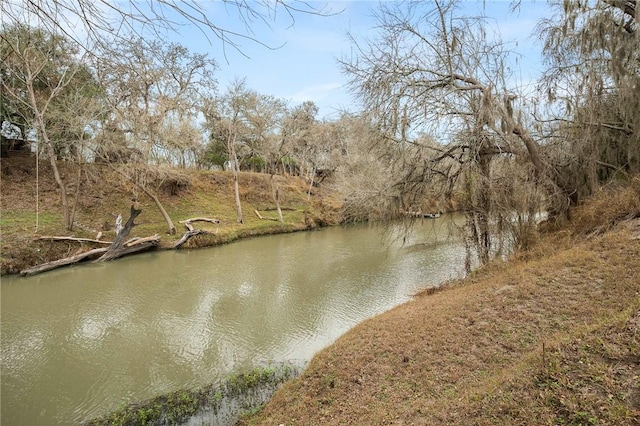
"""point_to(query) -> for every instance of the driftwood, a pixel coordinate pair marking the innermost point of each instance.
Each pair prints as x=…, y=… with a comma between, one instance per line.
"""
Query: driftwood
x=137, y=241
x=136, y=246
x=62, y=262
x=80, y=240
x=121, y=248
x=132, y=246
x=188, y=222
x=191, y=231
x=265, y=218
x=187, y=236
x=118, y=248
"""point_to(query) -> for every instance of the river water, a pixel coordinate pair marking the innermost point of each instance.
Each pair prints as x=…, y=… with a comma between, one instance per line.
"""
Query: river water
x=82, y=341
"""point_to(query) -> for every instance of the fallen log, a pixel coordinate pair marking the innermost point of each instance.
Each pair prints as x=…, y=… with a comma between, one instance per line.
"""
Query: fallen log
x=119, y=248
x=187, y=235
x=264, y=218
x=80, y=240
x=188, y=222
x=62, y=262
x=136, y=241
x=126, y=250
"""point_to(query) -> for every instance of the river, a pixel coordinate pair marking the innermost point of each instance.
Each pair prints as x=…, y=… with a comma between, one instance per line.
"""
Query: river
x=82, y=341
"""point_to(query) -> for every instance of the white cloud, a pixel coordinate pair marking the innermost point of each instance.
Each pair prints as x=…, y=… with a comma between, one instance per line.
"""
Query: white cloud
x=316, y=93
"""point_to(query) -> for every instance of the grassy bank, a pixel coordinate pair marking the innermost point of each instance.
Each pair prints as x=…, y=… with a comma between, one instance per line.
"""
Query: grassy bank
x=104, y=194
x=221, y=401
x=550, y=337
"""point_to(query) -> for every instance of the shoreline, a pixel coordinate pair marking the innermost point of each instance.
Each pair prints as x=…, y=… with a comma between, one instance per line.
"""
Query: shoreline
x=227, y=399
x=551, y=334
x=205, y=194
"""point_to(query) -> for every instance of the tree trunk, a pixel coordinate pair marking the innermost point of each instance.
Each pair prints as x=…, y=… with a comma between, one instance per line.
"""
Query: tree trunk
x=275, y=189
x=115, y=248
x=236, y=189
x=61, y=262
x=483, y=209
x=41, y=125
x=75, y=198
x=165, y=215
x=235, y=170
x=313, y=174
x=66, y=217
x=532, y=149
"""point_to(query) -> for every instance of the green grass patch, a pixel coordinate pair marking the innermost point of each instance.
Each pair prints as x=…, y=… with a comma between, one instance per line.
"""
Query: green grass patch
x=201, y=194
x=21, y=220
x=237, y=392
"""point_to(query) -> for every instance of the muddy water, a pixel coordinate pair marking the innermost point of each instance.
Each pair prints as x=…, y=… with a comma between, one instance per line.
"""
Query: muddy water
x=82, y=341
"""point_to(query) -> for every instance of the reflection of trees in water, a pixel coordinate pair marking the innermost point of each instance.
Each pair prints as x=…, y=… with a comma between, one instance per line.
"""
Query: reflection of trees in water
x=165, y=320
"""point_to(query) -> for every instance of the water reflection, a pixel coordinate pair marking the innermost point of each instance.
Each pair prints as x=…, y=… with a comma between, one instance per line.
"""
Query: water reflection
x=79, y=342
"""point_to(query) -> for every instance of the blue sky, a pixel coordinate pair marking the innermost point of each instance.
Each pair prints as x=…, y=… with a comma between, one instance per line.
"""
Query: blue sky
x=305, y=67
x=304, y=64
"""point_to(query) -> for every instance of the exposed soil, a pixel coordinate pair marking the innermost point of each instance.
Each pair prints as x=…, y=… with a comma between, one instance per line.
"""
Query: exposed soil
x=551, y=337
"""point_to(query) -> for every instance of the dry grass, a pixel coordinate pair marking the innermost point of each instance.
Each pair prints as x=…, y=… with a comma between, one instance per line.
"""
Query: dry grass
x=611, y=205
x=552, y=337
x=546, y=339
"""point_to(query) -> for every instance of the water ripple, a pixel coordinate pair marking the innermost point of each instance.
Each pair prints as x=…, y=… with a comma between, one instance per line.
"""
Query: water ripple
x=86, y=340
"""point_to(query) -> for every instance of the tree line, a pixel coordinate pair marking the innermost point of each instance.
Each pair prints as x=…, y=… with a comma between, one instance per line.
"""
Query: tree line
x=439, y=117
x=144, y=106
x=437, y=85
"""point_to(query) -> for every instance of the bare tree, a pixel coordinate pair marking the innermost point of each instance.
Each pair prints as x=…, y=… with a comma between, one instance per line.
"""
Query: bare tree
x=363, y=170
x=431, y=71
x=45, y=82
x=153, y=93
x=265, y=116
x=102, y=20
x=592, y=84
x=227, y=122
x=298, y=135
x=151, y=90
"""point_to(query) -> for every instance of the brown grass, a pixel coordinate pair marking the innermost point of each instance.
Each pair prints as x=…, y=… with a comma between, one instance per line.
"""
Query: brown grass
x=612, y=204
x=544, y=339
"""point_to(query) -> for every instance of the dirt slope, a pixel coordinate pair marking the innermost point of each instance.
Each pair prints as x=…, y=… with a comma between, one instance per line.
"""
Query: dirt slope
x=104, y=194
x=551, y=338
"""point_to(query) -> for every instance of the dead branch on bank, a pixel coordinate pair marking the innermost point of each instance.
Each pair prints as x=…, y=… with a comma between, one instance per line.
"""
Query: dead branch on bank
x=118, y=248
x=121, y=248
x=80, y=240
x=62, y=262
x=264, y=218
x=187, y=235
x=188, y=222
x=193, y=232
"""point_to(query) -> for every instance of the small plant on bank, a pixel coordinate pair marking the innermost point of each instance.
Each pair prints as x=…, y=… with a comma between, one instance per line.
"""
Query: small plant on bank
x=177, y=407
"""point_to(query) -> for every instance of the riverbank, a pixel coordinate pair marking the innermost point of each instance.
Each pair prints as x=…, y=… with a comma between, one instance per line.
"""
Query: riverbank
x=550, y=337
x=217, y=403
x=30, y=208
